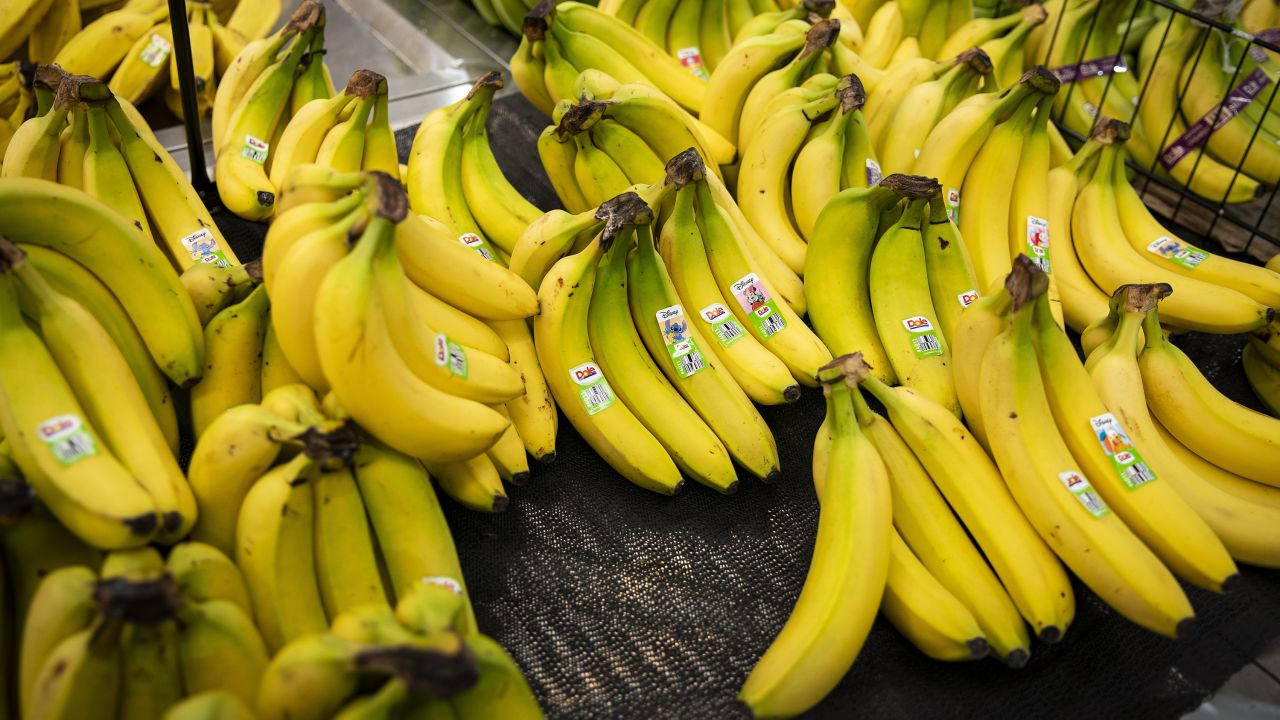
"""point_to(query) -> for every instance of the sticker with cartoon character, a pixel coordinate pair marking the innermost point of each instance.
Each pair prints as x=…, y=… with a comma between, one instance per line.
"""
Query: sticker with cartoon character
x=759, y=305
x=681, y=347
x=1125, y=459
x=1038, y=241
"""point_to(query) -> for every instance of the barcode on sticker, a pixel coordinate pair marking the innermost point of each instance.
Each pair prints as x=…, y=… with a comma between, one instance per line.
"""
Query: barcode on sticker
x=723, y=324
x=593, y=388
x=67, y=439
x=450, y=355
x=1137, y=475
x=255, y=149
x=677, y=336
x=926, y=345
x=874, y=175
x=690, y=364
x=773, y=324
x=953, y=204
x=156, y=52
x=1084, y=492
x=477, y=243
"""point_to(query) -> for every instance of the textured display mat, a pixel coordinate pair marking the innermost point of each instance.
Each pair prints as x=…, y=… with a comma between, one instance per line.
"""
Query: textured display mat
x=620, y=603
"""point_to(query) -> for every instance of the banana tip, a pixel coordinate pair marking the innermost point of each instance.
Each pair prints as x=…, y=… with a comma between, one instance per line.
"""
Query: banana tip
x=1050, y=634
x=1186, y=626
x=1017, y=659
x=978, y=648
x=1230, y=582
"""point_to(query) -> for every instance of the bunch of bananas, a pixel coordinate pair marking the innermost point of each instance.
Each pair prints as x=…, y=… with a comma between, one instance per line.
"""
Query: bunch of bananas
x=265, y=85
x=138, y=636
x=1105, y=237
x=380, y=307
x=561, y=40
x=17, y=101
x=744, y=344
x=414, y=660
x=92, y=140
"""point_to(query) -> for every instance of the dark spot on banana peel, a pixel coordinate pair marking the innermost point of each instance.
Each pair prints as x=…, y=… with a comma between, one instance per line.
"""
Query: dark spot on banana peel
x=1013, y=416
x=266, y=198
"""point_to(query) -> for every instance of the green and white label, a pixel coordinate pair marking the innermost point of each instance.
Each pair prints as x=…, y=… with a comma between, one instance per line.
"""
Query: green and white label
x=1125, y=459
x=756, y=301
x=156, y=52
x=255, y=149
x=953, y=204
x=203, y=248
x=1038, y=241
x=593, y=388
x=924, y=340
x=676, y=336
x=1184, y=254
x=723, y=324
x=477, y=243
x=691, y=58
x=874, y=174
x=67, y=438
x=451, y=356
x=1074, y=481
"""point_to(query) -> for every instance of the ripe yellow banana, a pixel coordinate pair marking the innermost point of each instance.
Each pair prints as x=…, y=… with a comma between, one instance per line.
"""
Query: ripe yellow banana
x=474, y=483
x=729, y=85
x=534, y=413
x=18, y=21
x=151, y=680
x=82, y=675
x=346, y=561
x=305, y=133
x=233, y=360
x=60, y=23
x=62, y=606
x=98, y=48
x=1082, y=301
x=220, y=649
x=202, y=572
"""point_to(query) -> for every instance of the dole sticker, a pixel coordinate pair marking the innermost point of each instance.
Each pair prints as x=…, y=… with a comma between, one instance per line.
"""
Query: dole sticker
x=255, y=149
x=918, y=324
x=967, y=298
x=723, y=324
x=203, y=248
x=691, y=58
x=477, y=243
x=594, y=391
x=67, y=439
x=1184, y=254
x=156, y=52
x=1075, y=482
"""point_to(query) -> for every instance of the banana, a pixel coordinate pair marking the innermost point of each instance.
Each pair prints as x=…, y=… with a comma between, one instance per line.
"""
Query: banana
x=18, y=22
x=202, y=572
x=60, y=23
x=840, y=595
x=314, y=82
x=895, y=84
x=1263, y=377
x=71, y=279
x=1256, y=493
x=309, y=678
x=33, y=149
x=59, y=452
x=743, y=67
x=227, y=45
x=936, y=539
x=500, y=691
x=1111, y=261
x=202, y=60
x=34, y=545
x=884, y=32
x=985, y=224
x=627, y=150
x=1152, y=509
x=413, y=537
x=85, y=354
x=254, y=19
x=220, y=650
x=534, y=413
x=903, y=311
x=819, y=171
x=343, y=146
x=977, y=327
x=449, y=267
x=1113, y=366
x=96, y=238
x=306, y=131
x=1029, y=229
x=666, y=127
x=508, y=454
x=789, y=285
x=150, y=677
x=974, y=488
x=276, y=371
x=1082, y=301
x=346, y=561
x=237, y=447
x=82, y=674
x=559, y=157
x=549, y=238
x=369, y=378
x=274, y=551
x=433, y=356
x=106, y=175
x=924, y=105
x=233, y=358
x=1227, y=434
x=1069, y=514
x=212, y=705
x=1163, y=247
x=925, y=612
x=234, y=84
x=435, y=183
x=952, y=285
x=774, y=324
x=178, y=214
x=474, y=483
x=467, y=330
x=807, y=62
x=242, y=180
x=295, y=223
x=98, y=48
x=757, y=371
x=499, y=209
x=640, y=384
x=528, y=69
x=62, y=606
x=714, y=37
x=580, y=387
x=836, y=269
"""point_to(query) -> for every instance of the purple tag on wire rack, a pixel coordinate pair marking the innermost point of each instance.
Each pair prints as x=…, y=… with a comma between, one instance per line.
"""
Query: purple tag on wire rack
x=1220, y=115
x=1098, y=67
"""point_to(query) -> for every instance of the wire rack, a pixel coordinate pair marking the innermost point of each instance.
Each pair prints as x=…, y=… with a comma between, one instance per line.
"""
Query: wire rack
x=1251, y=228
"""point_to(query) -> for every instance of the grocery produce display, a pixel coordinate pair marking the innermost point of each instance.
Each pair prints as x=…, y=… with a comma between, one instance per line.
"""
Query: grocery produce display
x=219, y=471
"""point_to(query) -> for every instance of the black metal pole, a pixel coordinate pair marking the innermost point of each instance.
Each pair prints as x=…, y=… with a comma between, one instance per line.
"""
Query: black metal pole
x=190, y=106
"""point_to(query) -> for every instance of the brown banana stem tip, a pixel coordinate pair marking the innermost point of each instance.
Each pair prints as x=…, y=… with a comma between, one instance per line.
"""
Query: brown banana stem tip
x=1035, y=13
x=1041, y=80
x=490, y=80
x=76, y=90
x=627, y=209
x=850, y=368
x=912, y=186
x=308, y=15
x=1110, y=131
x=16, y=500
x=535, y=24
x=978, y=59
x=11, y=256
x=821, y=36
x=580, y=117
x=253, y=269
x=423, y=670
x=393, y=203
x=686, y=167
x=332, y=448
x=49, y=76
x=1142, y=298
x=363, y=83
x=821, y=8
x=851, y=93
x=138, y=601
x=1025, y=282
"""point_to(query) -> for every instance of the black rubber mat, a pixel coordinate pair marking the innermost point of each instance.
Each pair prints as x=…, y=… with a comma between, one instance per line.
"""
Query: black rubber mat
x=619, y=603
